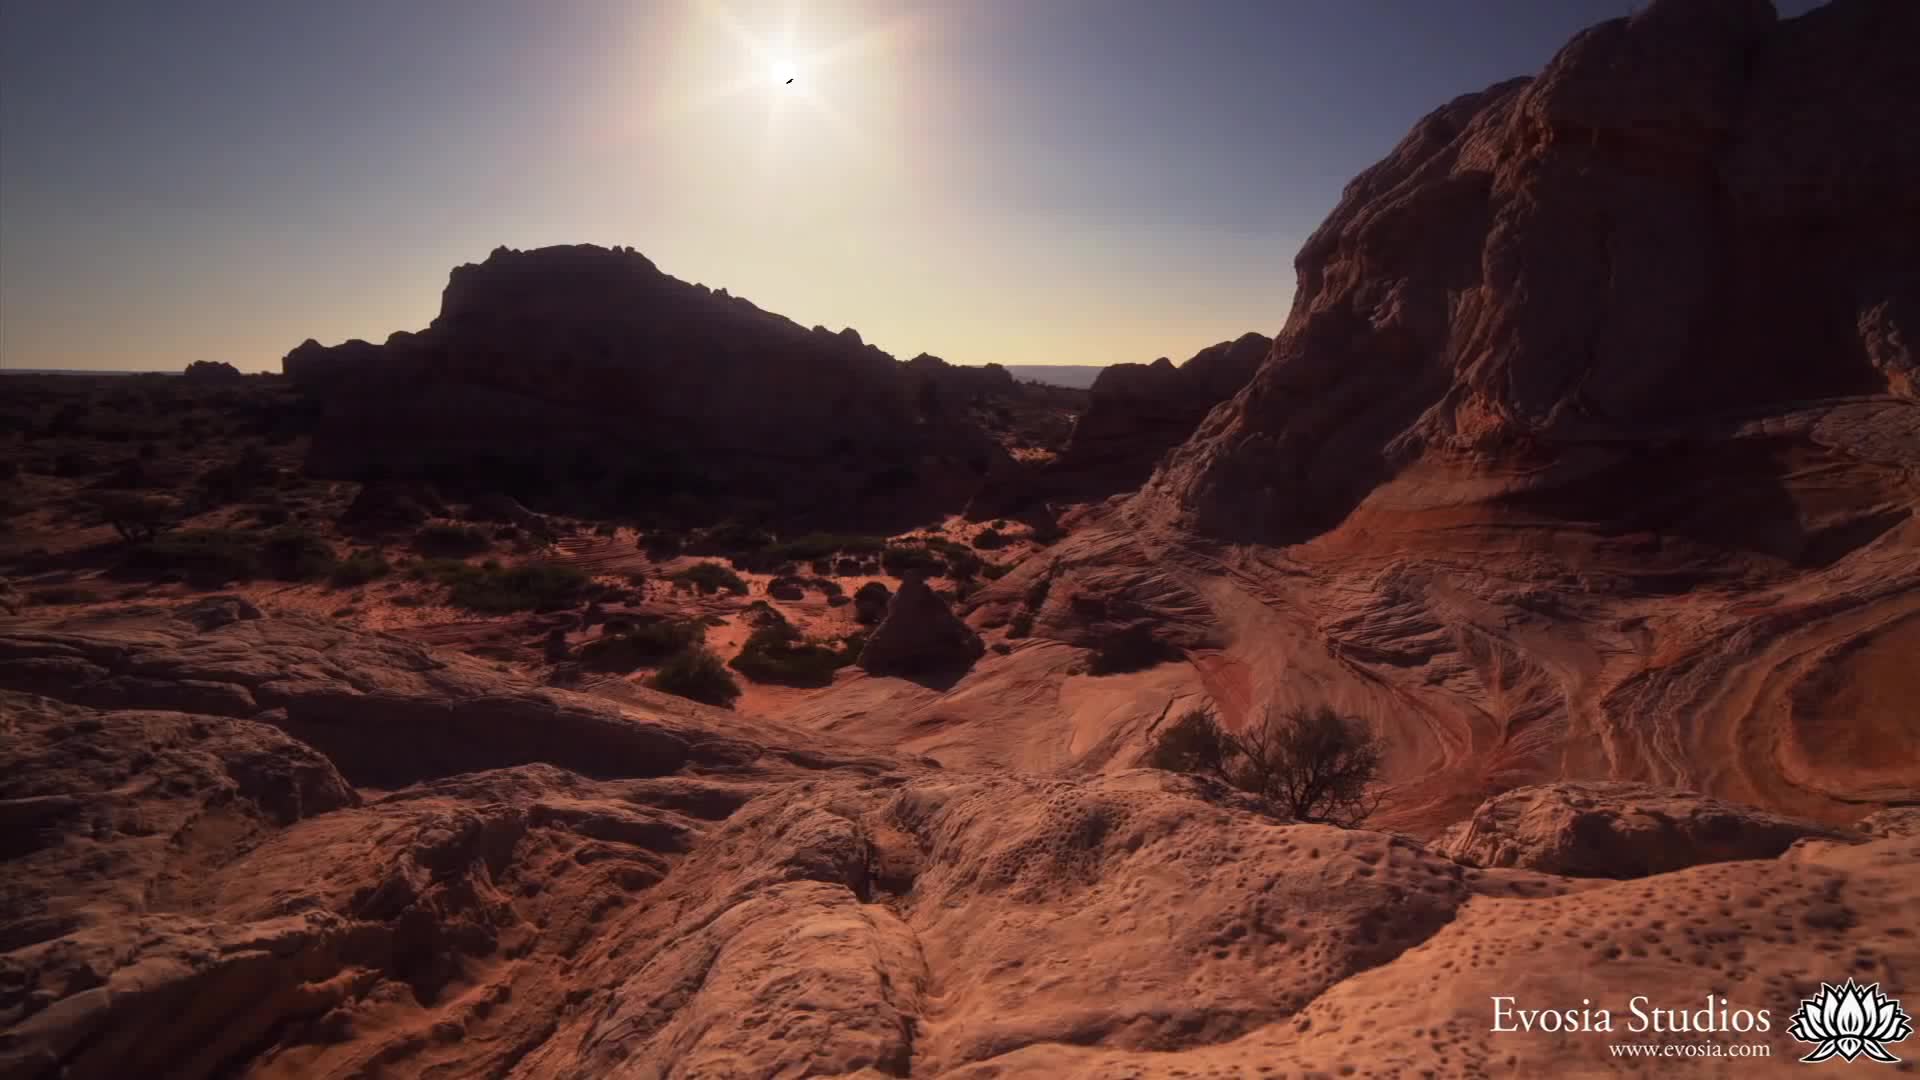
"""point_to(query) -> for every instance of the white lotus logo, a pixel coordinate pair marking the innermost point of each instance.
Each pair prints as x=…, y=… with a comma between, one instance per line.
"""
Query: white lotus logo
x=1850, y=1020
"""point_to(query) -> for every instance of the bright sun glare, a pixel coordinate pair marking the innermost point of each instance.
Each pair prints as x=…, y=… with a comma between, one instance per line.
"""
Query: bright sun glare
x=797, y=71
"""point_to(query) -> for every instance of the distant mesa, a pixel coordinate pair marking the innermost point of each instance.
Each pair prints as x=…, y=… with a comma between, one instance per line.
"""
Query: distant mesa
x=211, y=370
x=587, y=371
x=1071, y=376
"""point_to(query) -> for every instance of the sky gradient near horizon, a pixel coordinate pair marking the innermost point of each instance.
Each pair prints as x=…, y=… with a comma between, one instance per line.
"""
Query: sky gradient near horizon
x=1063, y=181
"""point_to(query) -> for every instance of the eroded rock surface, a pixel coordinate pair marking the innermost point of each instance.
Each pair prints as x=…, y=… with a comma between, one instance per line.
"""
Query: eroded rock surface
x=1619, y=830
x=193, y=894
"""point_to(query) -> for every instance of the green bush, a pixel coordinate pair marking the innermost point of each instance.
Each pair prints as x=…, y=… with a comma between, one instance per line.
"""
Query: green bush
x=451, y=541
x=990, y=540
x=730, y=537
x=358, y=569
x=711, y=578
x=623, y=647
x=901, y=560
x=870, y=602
x=530, y=587
x=291, y=553
x=699, y=675
x=136, y=517
x=778, y=654
x=819, y=545
x=202, y=556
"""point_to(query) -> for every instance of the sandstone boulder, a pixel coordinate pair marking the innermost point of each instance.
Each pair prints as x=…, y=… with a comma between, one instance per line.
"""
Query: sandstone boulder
x=1619, y=830
x=920, y=636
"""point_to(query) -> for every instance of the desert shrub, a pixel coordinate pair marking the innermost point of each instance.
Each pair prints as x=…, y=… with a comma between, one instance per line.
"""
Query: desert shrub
x=294, y=554
x=994, y=571
x=820, y=545
x=778, y=654
x=1020, y=625
x=624, y=645
x=134, y=473
x=530, y=587
x=901, y=560
x=1195, y=743
x=1314, y=764
x=451, y=541
x=662, y=544
x=870, y=602
x=697, y=674
x=270, y=514
x=136, y=517
x=358, y=569
x=990, y=539
x=711, y=578
x=201, y=556
x=730, y=537
x=1131, y=649
x=960, y=559
x=238, y=478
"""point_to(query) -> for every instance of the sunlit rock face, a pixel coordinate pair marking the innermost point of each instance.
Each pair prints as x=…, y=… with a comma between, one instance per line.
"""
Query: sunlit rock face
x=586, y=368
x=1698, y=212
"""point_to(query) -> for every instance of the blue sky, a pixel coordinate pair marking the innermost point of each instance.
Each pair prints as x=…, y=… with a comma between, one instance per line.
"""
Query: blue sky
x=1047, y=181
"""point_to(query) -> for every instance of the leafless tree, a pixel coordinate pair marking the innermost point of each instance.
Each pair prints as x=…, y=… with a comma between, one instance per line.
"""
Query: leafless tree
x=1314, y=763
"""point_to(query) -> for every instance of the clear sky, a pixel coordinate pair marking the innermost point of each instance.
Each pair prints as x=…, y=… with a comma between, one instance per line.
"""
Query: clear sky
x=1023, y=181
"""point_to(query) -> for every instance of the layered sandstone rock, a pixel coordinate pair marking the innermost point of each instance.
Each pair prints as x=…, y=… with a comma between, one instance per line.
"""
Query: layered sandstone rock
x=532, y=883
x=1694, y=213
x=1619, y=830
x=1586, y=451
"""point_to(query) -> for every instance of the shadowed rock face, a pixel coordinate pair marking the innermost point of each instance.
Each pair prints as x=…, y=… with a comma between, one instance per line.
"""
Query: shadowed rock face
x=583, y=368
x=919, y=636
x=1697, y=212
x=1138, y=412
